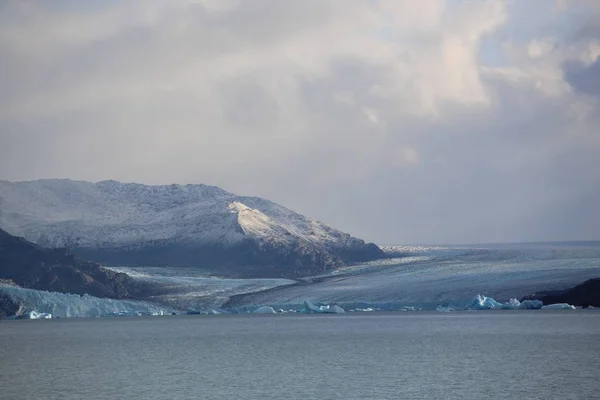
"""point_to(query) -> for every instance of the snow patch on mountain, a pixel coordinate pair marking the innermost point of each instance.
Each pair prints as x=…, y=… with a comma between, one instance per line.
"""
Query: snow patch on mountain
x=255, y=223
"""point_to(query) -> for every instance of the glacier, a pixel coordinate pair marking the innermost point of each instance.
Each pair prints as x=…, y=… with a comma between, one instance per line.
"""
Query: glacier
x=192, y=289
x=36, y=303
x=426, y=277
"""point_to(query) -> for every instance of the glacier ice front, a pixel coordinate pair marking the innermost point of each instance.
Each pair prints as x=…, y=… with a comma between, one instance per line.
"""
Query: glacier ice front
x=481, y=302
x=265, y=310
x=42, y=304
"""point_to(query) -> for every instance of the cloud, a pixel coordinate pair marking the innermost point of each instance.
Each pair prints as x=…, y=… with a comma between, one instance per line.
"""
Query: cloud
x=442, y=121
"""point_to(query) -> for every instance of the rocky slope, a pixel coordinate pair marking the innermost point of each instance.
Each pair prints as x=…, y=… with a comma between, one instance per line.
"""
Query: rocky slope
x=176, y=225
x=585, y=294
x=8, y=306
x=57, y=270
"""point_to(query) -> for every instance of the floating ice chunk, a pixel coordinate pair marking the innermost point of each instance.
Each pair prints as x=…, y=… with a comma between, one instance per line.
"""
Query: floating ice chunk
x=443, y=309
x=531, y=305
x=326, y=309
x=334, y=309
x=512, y=304
x=39, y=315
x=265, y=310
x=481, y=302
x=310, y=307
x=409, y=308
x=559, y=306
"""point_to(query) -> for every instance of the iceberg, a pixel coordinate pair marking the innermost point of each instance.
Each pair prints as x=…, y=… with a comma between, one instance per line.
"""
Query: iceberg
x=310, y=307
x=326, y=309
x=264, y=310
x=409, y=308
x=531, y=305
x=334, y=309
x=481, y=302
x=39, y=315
x=558, y=306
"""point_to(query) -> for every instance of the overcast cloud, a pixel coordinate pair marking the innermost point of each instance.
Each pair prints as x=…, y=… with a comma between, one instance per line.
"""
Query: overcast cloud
x=398, y=121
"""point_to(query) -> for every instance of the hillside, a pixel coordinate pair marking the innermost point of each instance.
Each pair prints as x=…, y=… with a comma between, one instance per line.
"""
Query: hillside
x=57, y=270
x=176, y=225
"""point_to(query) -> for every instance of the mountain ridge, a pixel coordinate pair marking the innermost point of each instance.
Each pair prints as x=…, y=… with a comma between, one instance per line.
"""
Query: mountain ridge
x=187, y=225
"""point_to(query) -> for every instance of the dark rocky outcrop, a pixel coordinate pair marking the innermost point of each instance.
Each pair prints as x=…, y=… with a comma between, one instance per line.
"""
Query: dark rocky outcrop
x=58, y=270
x=8, y=306
x=584, y=295
x=247, y=259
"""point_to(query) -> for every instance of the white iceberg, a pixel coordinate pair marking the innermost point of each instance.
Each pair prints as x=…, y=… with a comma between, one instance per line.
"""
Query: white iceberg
x=558, y=306
x=481, y=302
x=334, y=309
x=326, y=309
x=409, y=308
x=39, y=315
x=531, y=305
x=310, y=307
x=264, y=310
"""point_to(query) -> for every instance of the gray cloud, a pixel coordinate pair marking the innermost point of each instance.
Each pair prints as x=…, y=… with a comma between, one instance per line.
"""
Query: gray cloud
x=584, y=78
x=386, y=119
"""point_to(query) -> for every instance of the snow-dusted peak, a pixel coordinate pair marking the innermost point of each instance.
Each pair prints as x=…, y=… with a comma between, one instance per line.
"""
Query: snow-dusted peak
x=205, y=221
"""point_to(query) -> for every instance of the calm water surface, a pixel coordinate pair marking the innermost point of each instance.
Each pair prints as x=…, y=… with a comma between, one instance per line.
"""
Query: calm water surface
x=475, y=355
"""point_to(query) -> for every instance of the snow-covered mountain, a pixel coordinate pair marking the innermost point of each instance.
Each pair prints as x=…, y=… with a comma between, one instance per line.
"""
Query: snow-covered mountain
x=176, y=225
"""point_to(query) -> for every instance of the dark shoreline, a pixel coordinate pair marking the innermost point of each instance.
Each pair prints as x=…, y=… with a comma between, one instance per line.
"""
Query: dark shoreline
x=583, y=295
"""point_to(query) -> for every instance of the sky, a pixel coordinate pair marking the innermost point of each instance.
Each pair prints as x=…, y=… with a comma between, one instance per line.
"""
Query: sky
x=430, y=121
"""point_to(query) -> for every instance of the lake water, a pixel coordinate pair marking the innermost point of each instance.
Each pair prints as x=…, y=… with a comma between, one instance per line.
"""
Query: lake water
x=420, y=355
